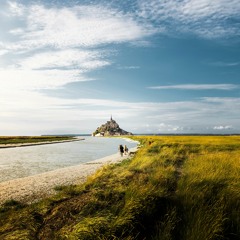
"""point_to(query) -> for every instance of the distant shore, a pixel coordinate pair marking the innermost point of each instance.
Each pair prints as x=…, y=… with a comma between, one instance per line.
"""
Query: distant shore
x=33, y=188
x=14, y=145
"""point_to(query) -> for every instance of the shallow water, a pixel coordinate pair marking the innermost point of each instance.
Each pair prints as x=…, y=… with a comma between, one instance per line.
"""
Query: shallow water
x=26, y=161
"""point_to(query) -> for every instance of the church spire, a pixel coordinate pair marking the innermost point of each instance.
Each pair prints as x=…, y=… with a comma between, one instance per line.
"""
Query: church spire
x=111, y=117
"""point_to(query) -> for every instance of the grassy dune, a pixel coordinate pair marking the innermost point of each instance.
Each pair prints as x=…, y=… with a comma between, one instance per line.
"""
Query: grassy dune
x=184, y=188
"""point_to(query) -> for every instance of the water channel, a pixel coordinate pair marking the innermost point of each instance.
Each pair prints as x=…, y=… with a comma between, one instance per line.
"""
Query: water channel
x=26, y=161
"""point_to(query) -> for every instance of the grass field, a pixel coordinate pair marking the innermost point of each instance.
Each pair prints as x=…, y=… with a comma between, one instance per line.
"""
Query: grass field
x=180, y=188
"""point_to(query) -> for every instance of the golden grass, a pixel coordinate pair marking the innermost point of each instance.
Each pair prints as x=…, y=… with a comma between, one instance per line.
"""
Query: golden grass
x=181, y=187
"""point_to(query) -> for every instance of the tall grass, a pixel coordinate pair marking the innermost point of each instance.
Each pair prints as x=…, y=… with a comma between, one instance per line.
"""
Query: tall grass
x=210, y=195
x=175, y=188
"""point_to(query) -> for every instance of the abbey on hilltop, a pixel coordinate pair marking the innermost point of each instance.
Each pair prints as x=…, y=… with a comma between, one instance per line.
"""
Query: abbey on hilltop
x=111, y=128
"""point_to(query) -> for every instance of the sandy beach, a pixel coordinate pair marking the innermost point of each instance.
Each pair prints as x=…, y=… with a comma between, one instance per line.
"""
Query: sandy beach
x=33, y=188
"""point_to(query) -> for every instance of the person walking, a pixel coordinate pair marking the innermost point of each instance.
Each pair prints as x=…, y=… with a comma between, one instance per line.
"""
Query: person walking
x=125, y=149
x=121, y=149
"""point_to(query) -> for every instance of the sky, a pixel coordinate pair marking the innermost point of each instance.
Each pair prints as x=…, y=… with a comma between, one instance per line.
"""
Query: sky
x=156, y=66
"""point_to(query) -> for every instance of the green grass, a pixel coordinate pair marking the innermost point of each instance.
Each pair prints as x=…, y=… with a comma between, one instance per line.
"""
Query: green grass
x=31, y=139
x=183, y=188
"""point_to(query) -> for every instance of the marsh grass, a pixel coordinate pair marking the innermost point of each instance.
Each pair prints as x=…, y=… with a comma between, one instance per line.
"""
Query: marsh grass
x=173, y=188
x=210, y=194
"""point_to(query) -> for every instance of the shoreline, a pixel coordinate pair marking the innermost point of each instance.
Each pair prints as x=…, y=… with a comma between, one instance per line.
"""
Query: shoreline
x=14, y=145
x=34, y=188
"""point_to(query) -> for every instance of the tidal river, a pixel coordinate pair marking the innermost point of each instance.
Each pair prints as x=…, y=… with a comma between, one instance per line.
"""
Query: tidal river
x=26, y=161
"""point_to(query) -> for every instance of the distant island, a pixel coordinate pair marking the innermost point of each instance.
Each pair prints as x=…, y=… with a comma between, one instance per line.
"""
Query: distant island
x=110, y=128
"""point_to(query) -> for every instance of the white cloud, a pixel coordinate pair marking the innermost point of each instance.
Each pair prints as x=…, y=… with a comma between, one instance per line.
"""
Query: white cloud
x=15, y=8
x=204, y=8
x=205, y=18
x=128, y=67
x=50, y=47
x=225, y=64
x=71, y=58
x=16, y=31
x=47, y=48
x=219, y=100
x=2, y=52
x=77, y=26
x=169, y=128
x=198, y=87
x=222, y=127
x=25, y=79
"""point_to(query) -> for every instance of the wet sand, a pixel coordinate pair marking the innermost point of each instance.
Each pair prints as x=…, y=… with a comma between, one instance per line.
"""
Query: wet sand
x=33, y=188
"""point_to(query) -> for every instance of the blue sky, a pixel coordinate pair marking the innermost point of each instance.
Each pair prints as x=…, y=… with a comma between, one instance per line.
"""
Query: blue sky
x=157, y=66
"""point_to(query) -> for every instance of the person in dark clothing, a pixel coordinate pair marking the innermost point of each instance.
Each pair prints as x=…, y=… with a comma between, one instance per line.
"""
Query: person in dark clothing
x=125, y=149
x=121, y=150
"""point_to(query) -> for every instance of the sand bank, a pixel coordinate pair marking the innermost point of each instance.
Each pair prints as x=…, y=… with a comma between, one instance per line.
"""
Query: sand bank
x=13, y=145
x=33, y=188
